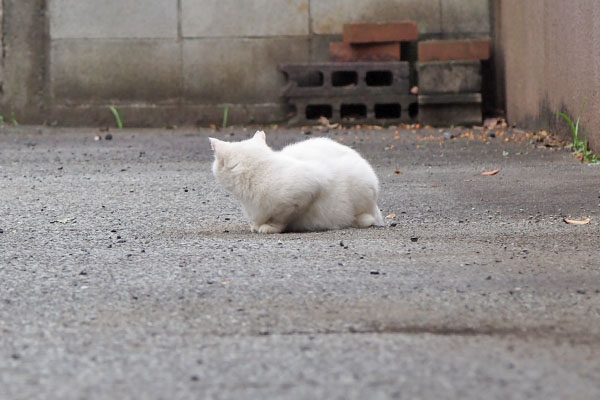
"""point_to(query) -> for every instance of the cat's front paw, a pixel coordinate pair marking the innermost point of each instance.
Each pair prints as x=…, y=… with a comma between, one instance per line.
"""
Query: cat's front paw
x=268, y=228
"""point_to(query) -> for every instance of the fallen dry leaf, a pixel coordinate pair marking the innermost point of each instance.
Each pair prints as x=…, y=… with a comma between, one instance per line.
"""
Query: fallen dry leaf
x=325, y=122
x=391, y=216
x=397, y=172
x=490, y=173
x=577, y=221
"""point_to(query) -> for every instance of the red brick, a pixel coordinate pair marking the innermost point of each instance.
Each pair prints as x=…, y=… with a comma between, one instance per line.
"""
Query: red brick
x=340, y=51
x=381, y=32
x=449, y=50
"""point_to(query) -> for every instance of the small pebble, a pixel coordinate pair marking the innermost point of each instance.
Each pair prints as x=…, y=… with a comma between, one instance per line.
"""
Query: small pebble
x=307, y=132
x=414, y=239
x=374, y=272
x=488, y=278
x=581, y=291
x=448, y=135
x=341, y=243
x=108, y=136
x=1, y=230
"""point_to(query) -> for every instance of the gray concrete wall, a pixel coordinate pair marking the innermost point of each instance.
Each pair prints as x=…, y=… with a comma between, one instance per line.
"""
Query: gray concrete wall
x=550, y=52
x=182, y=61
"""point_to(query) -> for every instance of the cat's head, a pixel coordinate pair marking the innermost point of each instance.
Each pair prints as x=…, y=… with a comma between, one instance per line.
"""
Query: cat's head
x=235, y=158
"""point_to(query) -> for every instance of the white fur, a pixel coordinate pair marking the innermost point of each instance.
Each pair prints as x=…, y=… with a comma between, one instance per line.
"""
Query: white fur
x=312, y=185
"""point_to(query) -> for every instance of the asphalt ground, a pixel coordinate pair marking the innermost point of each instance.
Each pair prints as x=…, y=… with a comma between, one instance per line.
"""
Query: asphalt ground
x=127, y=272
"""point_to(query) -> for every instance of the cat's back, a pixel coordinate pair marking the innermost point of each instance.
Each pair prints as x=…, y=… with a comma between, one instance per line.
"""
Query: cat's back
x=321, y=149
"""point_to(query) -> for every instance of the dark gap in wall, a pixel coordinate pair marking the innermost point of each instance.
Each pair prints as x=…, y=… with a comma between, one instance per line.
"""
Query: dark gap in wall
x=353, y=111
x=413, y=110
x=316, y=111
x=344, y=78
x=311, y=79
x=379, y=78
x=388, y=111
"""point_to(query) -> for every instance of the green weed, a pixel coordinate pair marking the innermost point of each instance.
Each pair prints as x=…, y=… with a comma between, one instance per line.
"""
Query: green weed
x=13, y=120
x=580, y=144
x=115, y=112
x=225, y=116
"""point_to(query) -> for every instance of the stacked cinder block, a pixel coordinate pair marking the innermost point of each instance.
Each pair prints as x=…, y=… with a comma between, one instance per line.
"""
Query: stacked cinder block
x=450, y=81
x=366, y=82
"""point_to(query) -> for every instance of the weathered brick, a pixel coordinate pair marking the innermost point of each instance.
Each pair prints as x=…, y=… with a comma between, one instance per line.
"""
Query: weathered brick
x=440, y=77
x=340, y=51
x=406, y=31
x=445, y=50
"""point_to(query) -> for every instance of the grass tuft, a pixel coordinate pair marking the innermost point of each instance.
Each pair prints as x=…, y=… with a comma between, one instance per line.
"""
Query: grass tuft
x=580, y=144
x=115, y=112
x=225, y=116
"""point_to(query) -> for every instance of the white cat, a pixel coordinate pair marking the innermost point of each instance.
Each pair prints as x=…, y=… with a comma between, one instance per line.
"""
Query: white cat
x=312, y=185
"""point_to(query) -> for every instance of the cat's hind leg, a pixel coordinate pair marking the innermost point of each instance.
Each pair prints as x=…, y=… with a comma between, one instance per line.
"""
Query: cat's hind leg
x=364, y=220
x=377, y=215
x=271, y=228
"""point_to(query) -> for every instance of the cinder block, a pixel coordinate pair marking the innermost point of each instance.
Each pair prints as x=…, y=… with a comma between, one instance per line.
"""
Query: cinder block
x=375, y=109
x=448, y=110
x=381, y=32
x=328, y=16
x=235, y=18
x=131, y=19
x=95, y=71
x=338, y=79
x=340, y=51
x=447, y=50
x=449, y=77
x=238, y=70
x=465, y=16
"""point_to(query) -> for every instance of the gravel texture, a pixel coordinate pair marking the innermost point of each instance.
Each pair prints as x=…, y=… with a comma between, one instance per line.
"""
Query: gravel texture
x=126, y=272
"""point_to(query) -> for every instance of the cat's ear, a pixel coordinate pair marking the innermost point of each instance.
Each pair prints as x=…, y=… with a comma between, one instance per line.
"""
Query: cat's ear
x=260, y=135
x=215, y=144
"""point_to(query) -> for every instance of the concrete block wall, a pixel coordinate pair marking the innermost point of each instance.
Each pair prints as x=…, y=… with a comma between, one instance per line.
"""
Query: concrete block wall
x=183, y=61
x=549, y=53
